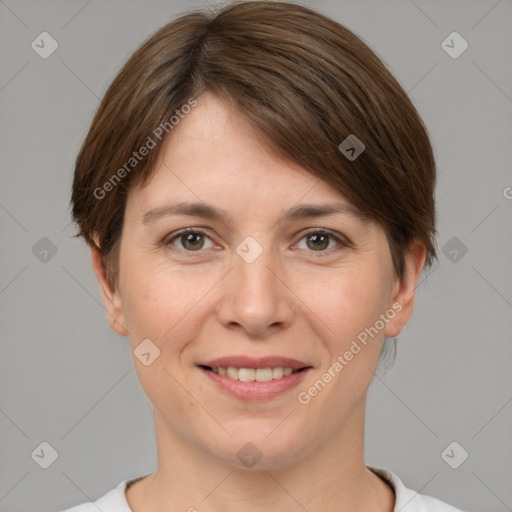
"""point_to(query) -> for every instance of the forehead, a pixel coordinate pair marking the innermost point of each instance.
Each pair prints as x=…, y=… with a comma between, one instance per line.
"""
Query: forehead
x=221, y=166
x=215, y=139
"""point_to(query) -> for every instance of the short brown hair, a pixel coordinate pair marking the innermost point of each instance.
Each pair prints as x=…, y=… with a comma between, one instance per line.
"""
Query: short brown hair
x=305, y=81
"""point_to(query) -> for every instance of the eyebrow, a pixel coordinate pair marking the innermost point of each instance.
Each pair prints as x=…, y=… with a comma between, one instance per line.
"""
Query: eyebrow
x=206, y=211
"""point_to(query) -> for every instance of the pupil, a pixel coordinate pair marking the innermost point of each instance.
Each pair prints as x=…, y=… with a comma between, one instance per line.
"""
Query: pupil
x=318, y=238
x=190, y=239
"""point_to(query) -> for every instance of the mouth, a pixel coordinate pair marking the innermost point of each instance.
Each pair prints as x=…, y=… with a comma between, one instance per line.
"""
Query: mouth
x=254, y=374
x=254, y=379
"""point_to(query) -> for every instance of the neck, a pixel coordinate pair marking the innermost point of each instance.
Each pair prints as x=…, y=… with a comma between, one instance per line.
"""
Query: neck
x=332, y=478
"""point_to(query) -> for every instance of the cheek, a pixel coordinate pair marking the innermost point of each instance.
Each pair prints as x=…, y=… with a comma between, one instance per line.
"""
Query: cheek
x=159, y=300
x=159, y=304
x=350, y=308
x=348, y=303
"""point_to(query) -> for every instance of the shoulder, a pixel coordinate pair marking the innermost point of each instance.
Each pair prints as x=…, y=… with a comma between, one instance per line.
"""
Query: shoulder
x=407, y=500
x=112, y=501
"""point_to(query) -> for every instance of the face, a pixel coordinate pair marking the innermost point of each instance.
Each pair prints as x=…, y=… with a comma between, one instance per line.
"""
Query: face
x=254, y=289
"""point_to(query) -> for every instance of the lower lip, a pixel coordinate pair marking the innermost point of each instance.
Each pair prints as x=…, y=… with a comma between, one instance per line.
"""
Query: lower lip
x=256, y=390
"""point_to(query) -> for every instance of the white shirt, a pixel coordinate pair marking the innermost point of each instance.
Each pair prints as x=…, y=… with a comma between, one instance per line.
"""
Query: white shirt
x=406, y=500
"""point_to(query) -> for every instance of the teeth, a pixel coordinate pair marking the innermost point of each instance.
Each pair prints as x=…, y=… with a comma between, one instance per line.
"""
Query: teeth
x=232, y=373
x=246, y=374
x=252, y=374
x=263, y=374
x=277, y=373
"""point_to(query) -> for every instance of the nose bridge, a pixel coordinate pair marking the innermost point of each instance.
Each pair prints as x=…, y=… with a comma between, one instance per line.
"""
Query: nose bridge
x=252, y=262
x=256, y=297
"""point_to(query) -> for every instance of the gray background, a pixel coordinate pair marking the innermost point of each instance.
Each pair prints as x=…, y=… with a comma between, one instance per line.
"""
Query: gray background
x=67, y=379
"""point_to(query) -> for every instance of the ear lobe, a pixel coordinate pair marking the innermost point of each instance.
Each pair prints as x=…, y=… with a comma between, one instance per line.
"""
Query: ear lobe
x=111, y=297
x=405, y=294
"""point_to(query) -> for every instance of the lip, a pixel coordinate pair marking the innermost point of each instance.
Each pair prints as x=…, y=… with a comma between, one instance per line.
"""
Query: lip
x=255, y=391
x=251, y=362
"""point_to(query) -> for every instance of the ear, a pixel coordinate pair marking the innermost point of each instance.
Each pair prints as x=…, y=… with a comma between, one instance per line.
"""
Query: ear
x=404, y=291
x=110, y=294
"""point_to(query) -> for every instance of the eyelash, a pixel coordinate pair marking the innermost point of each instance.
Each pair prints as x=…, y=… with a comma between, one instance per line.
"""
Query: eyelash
x=342, y=243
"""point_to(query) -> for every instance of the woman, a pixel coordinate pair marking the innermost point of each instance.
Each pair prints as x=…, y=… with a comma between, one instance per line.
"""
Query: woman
x=258, y=194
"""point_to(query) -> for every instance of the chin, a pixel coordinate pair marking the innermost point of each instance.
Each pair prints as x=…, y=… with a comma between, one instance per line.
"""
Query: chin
x=250, y=458
x=267, y=448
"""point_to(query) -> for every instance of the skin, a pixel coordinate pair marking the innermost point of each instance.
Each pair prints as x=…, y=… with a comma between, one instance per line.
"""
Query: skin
x=295, y=300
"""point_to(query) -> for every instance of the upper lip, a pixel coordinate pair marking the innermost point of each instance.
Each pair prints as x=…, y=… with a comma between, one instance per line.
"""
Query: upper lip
x=250, y=362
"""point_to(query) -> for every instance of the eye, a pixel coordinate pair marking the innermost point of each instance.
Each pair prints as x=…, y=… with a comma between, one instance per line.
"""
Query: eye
x=318, y=240
x=191, y=239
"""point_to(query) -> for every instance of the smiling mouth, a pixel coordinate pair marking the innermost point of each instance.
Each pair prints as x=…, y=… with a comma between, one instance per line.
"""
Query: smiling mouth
x=254, y=374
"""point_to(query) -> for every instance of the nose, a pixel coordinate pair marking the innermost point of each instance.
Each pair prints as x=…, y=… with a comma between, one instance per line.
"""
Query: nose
x=255, y=297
